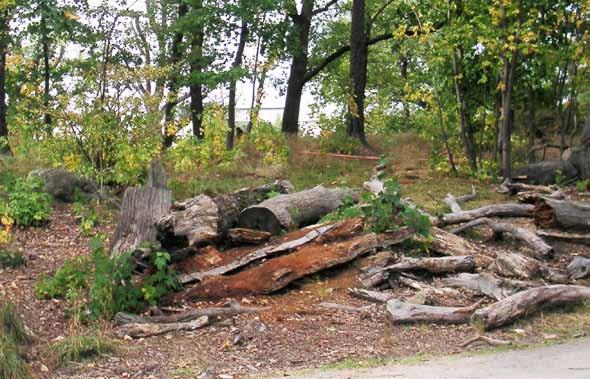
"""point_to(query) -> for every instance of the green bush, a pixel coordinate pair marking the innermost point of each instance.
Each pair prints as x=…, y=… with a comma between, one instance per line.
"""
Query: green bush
x=339, y=142
x=24, y=201
x=73, y=275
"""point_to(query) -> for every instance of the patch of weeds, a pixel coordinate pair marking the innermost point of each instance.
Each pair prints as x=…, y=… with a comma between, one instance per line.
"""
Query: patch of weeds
x=13, y=325
x=9, y=259
x=13, y=341
x=87, y=216
x=81, y=348
x=73, y=275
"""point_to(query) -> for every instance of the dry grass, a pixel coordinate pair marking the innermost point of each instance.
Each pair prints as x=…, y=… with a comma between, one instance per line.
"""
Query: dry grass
x=81, y=348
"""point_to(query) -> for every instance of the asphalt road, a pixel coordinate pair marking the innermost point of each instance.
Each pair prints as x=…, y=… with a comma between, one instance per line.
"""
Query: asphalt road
x=569, y=361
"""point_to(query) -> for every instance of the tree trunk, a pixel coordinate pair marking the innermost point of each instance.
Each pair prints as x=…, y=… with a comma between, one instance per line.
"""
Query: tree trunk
x=196, y=68
x=358, y=71
x=231, y=107
x=400, y=312
x=293, y=210
x=4, y=39
x=532, y=125
x=46, y=71
x=550, y=213
x=527, y=302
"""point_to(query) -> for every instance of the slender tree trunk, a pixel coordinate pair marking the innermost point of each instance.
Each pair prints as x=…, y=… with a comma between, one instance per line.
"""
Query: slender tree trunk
x=464, y=125
x=302, y=21
x=175, y=56
x=358, y=72
x=444, y=133
x=46, y=72
x=231, y=108
x=196, y=67
x=257, y=102
x=3, y=107
x=497, y=119
x=532, y=125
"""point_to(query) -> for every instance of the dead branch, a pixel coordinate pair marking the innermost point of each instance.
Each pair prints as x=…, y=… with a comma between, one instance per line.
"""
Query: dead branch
x=494, y=210
x=490, y=341
x=372, y=296
x=487, y=284
x=400, y=312
x=141, y=330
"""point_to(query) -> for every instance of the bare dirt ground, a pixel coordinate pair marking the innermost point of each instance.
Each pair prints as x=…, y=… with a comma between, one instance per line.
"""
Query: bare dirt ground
x=294, y=333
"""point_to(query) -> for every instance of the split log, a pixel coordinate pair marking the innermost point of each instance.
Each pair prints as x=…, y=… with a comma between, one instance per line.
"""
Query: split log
x=279, y=272
x=233, y=308
x=141, y=209
x=454, y=202
x=527, y=302
x=578, y=238
x=539, y=247
x=149, y=330
x=515, y=187
x=400, y=312
x=345, y=228
x=372, y=275
x=372, y=296
x=290, y=211
x=445, y=243
x=487, y=284
x=545, y=172
x=494, y=210
x=579, y=267
x=522, y=267
x=531, y=197
x=550, y=213
x=242, y=236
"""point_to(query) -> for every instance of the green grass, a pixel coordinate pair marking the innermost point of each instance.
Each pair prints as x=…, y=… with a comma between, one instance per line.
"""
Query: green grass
x=9, y=259
x=81, y=348
x=13, y=342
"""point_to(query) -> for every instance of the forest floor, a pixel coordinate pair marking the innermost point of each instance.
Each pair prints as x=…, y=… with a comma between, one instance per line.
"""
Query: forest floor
x=294, y=333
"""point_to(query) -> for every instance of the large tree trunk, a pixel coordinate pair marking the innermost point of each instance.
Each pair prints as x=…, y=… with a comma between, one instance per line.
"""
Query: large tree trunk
x=196, y=67
x=4, y=39
x=358, y=71
x=400, y=312
x=203, y=219
x=293, y=210
x=277, y=273
x=527, y=302
x=551, y=213
x=231, y=106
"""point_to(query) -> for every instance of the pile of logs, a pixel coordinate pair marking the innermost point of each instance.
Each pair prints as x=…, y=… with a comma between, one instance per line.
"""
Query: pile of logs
x=259, y=240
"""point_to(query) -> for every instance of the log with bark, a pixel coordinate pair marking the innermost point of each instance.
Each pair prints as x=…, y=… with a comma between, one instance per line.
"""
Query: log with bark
x=279, y=272
x=243, y=236
x=401, y=312
x=519, y=266
x=531, y=197
x=579, y=267
x=551, y=213
x=494, y=210
x=528, y=302
x=578, y=238
x=293, y=210
x=142, y=330
x=512, y=188
x=539, y=248
x=488, y=284
x=545, y=172
x=372, y=296
x=203, y=219
x=454, y=202
x=445, y=243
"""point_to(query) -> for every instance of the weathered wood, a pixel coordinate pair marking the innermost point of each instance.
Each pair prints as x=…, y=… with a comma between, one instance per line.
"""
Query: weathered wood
x=232, y=309
x=279, y=272
x=372, y=296
x=579, y=268
x=290, y=211
x=528, y=302
x=347, y=228
x=579, y=157
x=545, y=172
x=522, y=267
x=531, y=197
x=445, y=243
x=515, y=187
x=578, y=238
x=494, y=210
x=242, y=236
x=485, y=339
x=149, y=330
x=550, y=213
x=371, y=276
x=454, y=202
x=539, y=247
x=141, y=209
x=203, y=219
x=344, y=307
x=487, y=284
x=401, y=312
x=157, y=177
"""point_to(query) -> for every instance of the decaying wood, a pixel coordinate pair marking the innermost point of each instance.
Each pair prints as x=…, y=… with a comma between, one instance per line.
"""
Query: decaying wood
x=522, y=267
x=203, y=219
x=371, y=275
x=579, y=267
x=243, y=236
x=454, y=202
x=372, y=296
x=149, y=330
x=141, y=209
x=292, y=210
x=530, y=197
x=347, y=227
x=488, y=284
x=277, y=273
x=539, y=247
x=494, y=210
x=579, y=238
x=528, y=302
x=401, y=312
x=445, y=243
x=485, y=339
x=545, y=172
x=232, y=309
x=344, y=307
x=514, y=187
x=550, y=213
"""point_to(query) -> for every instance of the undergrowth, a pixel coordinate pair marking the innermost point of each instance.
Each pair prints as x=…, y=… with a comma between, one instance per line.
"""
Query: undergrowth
x=14, y=340
x=81, y=348
x=10, y=259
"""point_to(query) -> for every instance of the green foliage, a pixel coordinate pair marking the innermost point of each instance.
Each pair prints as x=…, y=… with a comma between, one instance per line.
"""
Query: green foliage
x=13, y=337
x=583, y=185
x=81, y=348
x=348, y=209
x=25, y=203
x=162, y=281
x=559, y=178
x=334, y=139
x=9, y=259
x=72, y=276
x=87, y=215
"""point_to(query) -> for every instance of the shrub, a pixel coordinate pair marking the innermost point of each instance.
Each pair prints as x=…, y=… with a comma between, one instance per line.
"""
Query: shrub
x=339, y=142
x=25, y=203
x=80, y=348
x=73, y=275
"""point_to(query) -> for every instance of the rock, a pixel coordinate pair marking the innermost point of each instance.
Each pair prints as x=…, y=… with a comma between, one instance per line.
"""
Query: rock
x=545, y=172
x=62, y=184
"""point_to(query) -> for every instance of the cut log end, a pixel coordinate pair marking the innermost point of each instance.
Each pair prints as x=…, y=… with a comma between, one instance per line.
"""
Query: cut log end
x=259, y=218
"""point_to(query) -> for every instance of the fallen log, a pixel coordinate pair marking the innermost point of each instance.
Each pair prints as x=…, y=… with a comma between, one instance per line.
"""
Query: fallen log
x=539, y=247
x=344, y=228
x=345, y=308
x=545, y=172
x=487, y=284
x=579, y=267
x=449, y=244
x=494, y=210
x=279, y=272
x=454, y=202
x=578, y=238
x=400, y=312
x=372, y=296
x=550, y=213
x=530, y=197
x=513, y=188
x=527, y=302
x=292, y=210
x=485, y=339
x=242, y=236
x=149, y=330
x=203, y=219
x=522, y=267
